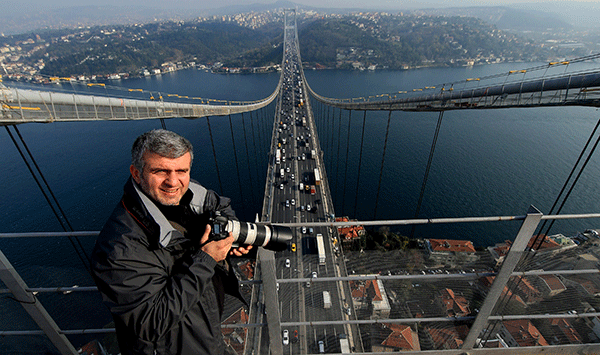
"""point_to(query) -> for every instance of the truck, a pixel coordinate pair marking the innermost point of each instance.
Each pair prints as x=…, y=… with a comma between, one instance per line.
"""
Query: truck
x=344, y=344
x=326, y=300
x=321, y=249
x=313, y=154
x=317, y=177
x=278, y=156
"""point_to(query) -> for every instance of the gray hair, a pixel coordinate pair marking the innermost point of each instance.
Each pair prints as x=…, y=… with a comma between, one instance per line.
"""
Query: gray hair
x=162, y=142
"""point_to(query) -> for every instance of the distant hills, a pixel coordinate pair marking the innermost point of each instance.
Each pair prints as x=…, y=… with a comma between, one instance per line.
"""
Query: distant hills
x=506, y=18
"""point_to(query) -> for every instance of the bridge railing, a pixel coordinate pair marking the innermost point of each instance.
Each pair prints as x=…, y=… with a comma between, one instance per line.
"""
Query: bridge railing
x=450, y=301
x=24, y=106
x=580, y=89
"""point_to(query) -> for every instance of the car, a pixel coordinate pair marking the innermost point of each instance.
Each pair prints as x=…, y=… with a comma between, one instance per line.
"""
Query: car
x=314, y=274
x=287, y=169
x=287, y=263
x=303, y=230
x=286, y=337
x=302, y=208
x=292, y=177
x=287, y=203
x=308, y=207
x=310, y=230
x=293, y=247
x=281, y=186
x=293, y=202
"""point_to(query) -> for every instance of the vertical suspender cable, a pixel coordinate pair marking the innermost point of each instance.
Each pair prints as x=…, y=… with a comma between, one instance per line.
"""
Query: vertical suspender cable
x=212, y=143
x=346, y=164
x=387, y=131
x=433, y=144
x=236, y=159
x=331, y=144
x=254, y=144
x=359, y=162
x=327, y=116
x=265, y=128
x=248, y=157
x=337, y=160
x=162, y=123
x=60, y=214
x=258, y=122
x=536, y=244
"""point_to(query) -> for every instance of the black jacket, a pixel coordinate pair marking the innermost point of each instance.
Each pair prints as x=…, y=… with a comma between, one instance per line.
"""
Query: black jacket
x=164, y=293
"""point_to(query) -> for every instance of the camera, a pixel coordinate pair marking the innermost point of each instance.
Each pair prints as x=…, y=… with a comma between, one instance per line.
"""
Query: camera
x=269, y=237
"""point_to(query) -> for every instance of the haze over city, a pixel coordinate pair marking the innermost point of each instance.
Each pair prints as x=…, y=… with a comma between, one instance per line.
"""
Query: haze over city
x=23, y=16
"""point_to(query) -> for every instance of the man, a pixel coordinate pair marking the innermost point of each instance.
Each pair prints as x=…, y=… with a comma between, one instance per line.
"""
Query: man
x=161, y=277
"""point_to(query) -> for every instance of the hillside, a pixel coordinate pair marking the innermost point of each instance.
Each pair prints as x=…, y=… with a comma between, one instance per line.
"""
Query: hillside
x=354, y=41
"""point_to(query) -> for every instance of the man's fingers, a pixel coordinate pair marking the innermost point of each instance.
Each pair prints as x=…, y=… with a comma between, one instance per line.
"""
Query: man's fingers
x=206, y=234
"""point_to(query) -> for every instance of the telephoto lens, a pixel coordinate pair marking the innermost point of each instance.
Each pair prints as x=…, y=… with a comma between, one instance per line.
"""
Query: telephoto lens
x=274, y=238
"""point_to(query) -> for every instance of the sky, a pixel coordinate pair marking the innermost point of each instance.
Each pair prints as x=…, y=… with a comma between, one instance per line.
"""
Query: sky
x=209, y=4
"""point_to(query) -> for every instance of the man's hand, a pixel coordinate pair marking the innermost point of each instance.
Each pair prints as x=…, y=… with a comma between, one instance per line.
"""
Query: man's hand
x=217, y=249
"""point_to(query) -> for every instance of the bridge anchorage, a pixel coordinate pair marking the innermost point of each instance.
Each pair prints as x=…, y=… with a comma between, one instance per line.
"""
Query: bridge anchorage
x=446, y=297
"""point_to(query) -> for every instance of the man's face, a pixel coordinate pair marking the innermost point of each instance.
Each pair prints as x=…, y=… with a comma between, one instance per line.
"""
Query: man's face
x=164, y=179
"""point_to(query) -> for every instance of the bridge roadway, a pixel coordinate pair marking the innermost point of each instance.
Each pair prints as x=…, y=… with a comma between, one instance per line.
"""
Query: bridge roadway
x=289, y=198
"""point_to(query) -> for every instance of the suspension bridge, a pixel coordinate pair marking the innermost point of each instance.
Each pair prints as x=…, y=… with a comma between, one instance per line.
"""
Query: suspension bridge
x=304, y=300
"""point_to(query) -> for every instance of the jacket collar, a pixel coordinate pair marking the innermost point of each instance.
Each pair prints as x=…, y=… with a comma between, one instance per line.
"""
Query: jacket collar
x=166, y=231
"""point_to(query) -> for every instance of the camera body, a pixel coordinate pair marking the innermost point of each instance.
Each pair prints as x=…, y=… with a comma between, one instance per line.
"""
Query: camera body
x=245, y=233
x=218, y=227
